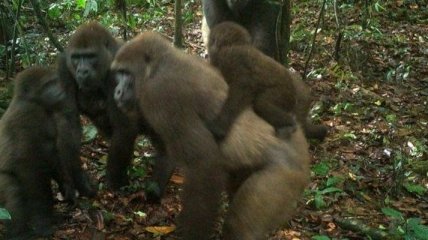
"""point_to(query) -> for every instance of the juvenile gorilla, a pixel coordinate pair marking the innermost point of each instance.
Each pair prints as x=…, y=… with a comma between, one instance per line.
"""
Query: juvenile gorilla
x=29, y=154
x=178, y=94
x=256, y=79
x=259, y=17
x=86, y=64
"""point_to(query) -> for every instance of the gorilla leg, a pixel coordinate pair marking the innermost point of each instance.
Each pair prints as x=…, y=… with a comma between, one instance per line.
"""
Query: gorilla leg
x=14, y=202
x=262, y=27
x=68, y=145
x=303, y=101
x=200, y=201
x=120, y=156
x=37, y=192
x=162, y=172
x=267, y=198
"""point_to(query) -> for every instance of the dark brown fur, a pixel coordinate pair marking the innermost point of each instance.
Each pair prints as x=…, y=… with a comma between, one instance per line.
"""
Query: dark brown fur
x=30, y=154
x=86, y=64
x=256, y=79
x=177, y=94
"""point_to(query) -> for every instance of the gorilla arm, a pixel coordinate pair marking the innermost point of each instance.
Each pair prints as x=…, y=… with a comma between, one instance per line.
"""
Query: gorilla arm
x=189, y=143
x=124, y=130
x=69, y=131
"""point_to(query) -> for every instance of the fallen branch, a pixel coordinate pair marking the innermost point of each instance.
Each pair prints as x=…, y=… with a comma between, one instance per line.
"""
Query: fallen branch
x=359, y=227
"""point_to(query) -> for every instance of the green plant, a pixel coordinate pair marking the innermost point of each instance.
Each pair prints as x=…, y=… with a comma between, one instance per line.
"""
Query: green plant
x=89, y=133
x=409, y=229
x=4, y=214
x=322, y=169
x=320, y=237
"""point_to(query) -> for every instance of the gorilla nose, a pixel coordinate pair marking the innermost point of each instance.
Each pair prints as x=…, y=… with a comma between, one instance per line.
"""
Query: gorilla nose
x=118, y=94
x=83, y=74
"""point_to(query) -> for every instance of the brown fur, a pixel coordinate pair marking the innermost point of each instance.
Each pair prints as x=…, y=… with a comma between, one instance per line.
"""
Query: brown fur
x=94, y=96
x=29, y=154
x=177, y=94
x=258, y=80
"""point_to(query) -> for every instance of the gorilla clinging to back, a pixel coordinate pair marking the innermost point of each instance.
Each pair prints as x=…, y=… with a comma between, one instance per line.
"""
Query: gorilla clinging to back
x=30, y=153
x=256, y=79
x=177, y=94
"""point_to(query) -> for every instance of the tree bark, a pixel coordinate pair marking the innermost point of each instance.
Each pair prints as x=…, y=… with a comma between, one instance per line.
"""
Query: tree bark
x=178, y=34
x=283, y=32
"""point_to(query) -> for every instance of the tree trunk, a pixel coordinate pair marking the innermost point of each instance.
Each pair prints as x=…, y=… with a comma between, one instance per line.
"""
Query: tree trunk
x=178, y=34
x=283, y=32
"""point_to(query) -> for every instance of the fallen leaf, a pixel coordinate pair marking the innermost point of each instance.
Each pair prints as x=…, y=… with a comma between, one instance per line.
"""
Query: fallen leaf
x=177, y=179
x=160, y=230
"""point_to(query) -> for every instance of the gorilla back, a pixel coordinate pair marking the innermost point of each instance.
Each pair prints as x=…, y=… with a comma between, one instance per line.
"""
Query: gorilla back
x=29, y=155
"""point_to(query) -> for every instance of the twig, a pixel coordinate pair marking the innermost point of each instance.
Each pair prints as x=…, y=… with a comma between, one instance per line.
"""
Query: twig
x=314, y=38
x=42, y=20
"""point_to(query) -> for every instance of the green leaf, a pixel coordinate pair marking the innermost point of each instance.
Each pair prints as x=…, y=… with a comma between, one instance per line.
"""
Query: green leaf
x=319, y=201
x=391, y=118
x=4, y=214
x=321, y=169
x=378, y=7
x=330, y=190
x=89, y=133
x=138, y=172
x=418, y=230
x=91, y=6
x=108, y=216
x=81, y=3
x=140, y=214
x=415, y=188
x=334, y=181
x=152, y=188
x=392, y=213
x=143, y=142
x=378, y=103
x=54, y=11
x=320, y=237
x=350, y=136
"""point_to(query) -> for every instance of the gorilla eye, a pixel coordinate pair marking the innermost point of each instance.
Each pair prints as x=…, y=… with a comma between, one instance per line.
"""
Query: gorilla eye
x=74, y=61
x=147, y=58
x=92, y=59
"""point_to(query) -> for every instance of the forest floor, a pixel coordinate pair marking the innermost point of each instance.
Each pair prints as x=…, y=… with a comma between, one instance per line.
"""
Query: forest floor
x=369, y=177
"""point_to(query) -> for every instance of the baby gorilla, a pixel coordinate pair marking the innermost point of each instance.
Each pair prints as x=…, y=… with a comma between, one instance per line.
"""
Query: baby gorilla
x=258, y=80
x=29, y=155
